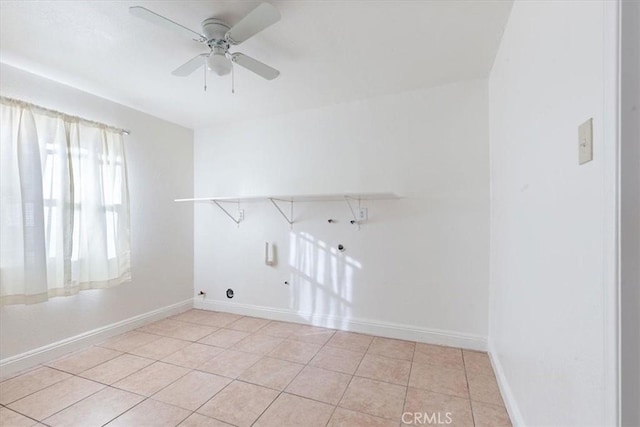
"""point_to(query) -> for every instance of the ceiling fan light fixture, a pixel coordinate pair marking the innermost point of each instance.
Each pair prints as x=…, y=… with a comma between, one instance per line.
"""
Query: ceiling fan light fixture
x=219, y=64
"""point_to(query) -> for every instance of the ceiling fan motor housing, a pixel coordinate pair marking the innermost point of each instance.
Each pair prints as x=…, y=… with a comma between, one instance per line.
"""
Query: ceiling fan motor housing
x=214, y=29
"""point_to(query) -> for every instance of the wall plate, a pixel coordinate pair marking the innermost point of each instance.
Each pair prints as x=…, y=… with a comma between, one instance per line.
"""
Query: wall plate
x=585, y=142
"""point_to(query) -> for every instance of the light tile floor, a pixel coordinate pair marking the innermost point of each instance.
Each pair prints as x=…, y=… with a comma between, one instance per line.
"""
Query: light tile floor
x=203, y=368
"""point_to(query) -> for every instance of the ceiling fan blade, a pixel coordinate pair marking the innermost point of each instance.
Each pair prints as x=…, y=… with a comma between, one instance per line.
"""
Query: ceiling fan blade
x=261, y=69
x=190, y=66
x=154, y=18
x=257, y=20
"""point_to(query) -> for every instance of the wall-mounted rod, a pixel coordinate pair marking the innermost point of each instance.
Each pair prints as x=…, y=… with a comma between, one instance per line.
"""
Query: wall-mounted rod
x=64, y=116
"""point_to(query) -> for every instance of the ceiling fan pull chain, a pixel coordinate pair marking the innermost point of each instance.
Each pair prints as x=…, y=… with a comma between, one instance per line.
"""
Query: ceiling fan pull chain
x=205, y=76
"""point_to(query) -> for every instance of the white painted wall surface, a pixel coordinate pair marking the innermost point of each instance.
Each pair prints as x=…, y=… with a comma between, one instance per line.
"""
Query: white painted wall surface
x=160, y=168
x=420, y=262
x=630, y=215
x=548, y=239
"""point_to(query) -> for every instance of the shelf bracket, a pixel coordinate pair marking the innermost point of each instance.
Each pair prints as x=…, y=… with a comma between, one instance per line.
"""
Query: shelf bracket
x=355, y=219
x=222, y=208
x=289, y=218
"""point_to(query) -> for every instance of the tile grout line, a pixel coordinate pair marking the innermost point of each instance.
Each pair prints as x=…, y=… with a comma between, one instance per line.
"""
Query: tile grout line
x=144, y=398
x=68, y=406
x=153, y=361
x=21, y=373
x=276, y=398
x=307, y=397
x=350, y=381
x=293, y=379
x=208, y=400
x=77, y=352
x=20, y=413
x=280, y=392
x=51, y=385
x=120, y=379
x=29, y=394
x=406, y=393
x=466, y=378
x=122, y=413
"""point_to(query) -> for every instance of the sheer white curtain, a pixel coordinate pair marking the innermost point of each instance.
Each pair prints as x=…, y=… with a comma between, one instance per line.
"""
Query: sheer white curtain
x=64, y=205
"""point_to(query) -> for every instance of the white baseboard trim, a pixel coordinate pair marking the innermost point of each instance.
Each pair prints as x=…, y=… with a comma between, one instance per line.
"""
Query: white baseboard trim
x=365, y=326
x=507, y=395
x=20, y=362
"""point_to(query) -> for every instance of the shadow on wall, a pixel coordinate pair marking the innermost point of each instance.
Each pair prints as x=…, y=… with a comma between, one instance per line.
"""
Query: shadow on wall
x=322, y=278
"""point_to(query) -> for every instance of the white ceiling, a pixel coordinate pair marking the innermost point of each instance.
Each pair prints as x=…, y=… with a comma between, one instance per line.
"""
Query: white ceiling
x=327, y=51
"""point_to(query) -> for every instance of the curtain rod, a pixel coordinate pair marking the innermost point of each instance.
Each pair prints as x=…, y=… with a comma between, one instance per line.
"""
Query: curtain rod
x=69, y=117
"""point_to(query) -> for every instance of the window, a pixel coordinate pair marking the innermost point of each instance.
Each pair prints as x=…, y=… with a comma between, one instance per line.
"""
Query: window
x=64, y=205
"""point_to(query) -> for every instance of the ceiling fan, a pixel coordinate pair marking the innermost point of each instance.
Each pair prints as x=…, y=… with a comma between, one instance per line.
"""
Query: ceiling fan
x=219, y=37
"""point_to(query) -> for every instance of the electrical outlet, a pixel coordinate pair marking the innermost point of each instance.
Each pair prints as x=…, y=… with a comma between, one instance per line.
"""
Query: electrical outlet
x=363, y=214
x=240, y=214
x=585, y=142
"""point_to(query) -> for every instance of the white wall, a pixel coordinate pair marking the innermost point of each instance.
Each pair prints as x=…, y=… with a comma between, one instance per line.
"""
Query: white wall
x=549, y=216
x=160, y=168
x=420, y=262
x=630, y=216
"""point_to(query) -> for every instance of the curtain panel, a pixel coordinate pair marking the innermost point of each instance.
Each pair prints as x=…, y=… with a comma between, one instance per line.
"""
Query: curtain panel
x=64, y=205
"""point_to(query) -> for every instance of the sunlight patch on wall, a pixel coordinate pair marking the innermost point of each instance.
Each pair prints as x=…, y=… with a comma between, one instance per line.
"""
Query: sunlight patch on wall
x=322, y=278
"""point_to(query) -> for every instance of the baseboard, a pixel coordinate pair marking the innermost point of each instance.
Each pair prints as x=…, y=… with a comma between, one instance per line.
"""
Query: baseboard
x=365, y=326
x=507, y=395
x=14, y=364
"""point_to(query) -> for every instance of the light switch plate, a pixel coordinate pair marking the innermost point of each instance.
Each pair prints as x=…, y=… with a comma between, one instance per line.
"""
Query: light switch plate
x=585, y=142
